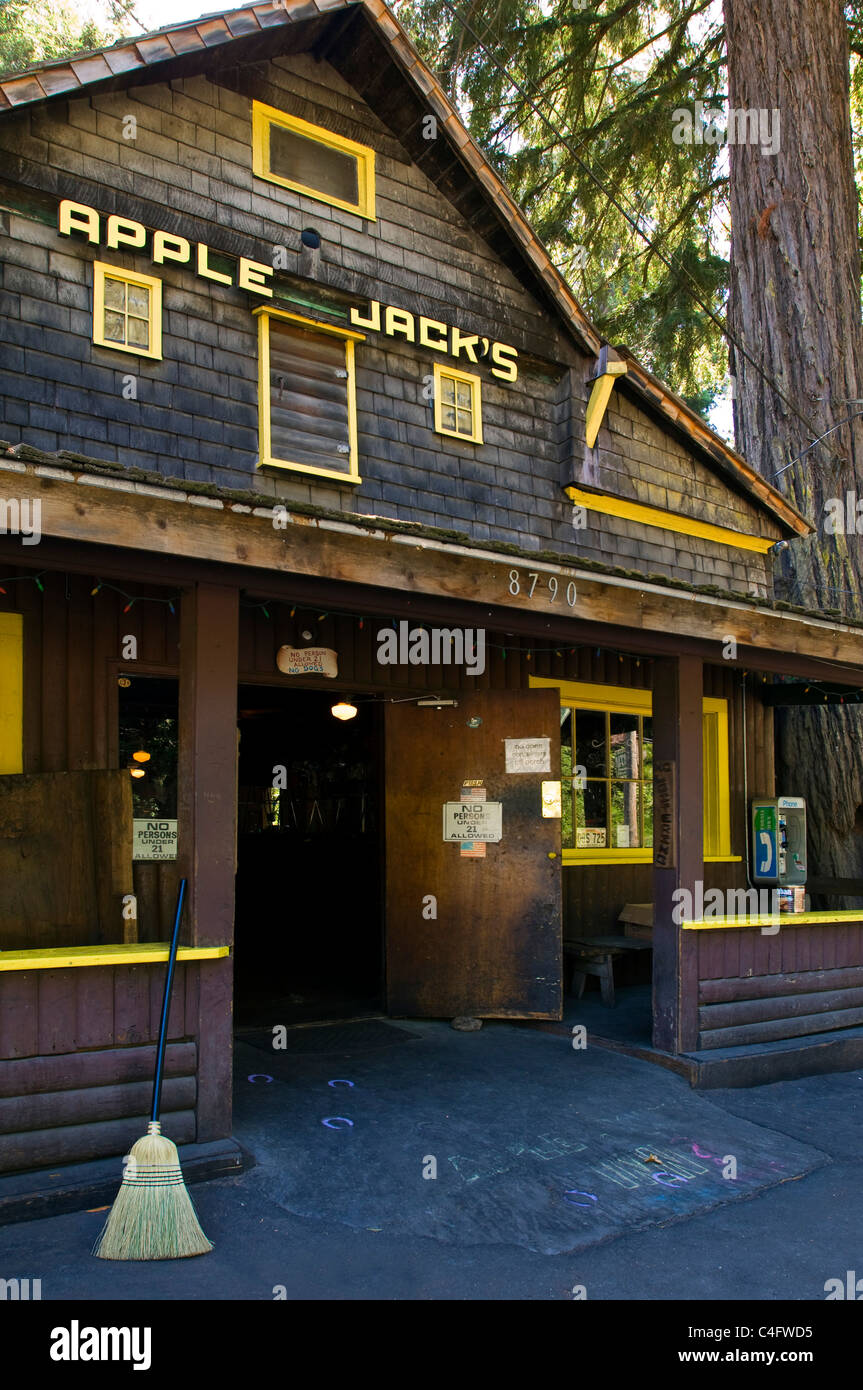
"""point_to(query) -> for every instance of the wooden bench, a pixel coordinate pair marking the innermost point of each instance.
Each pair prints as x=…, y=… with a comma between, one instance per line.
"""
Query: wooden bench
x=594, y=955
x=637, y=920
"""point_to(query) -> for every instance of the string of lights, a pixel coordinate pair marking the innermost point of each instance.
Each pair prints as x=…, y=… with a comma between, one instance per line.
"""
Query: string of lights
x=99, y=584
x=514, y=649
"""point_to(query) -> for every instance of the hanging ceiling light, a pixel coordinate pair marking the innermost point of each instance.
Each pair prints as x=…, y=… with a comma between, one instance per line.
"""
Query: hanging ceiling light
x=137, y=772
x=344, y=709
x=141, y=757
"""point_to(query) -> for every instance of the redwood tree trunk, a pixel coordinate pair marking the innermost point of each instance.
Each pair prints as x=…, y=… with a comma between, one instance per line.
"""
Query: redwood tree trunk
x=795, y=306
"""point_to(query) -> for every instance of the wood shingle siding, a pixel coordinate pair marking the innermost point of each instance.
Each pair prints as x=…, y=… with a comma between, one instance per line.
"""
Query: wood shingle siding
x=188, y=171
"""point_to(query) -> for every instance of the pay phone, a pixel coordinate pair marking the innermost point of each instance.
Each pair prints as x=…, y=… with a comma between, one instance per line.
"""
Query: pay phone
x=779, y=841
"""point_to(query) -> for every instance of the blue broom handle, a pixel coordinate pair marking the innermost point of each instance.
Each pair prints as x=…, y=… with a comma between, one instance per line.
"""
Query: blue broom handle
x=166, y=1003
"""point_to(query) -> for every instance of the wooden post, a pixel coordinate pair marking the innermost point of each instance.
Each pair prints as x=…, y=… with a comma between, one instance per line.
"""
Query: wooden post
x=678, y=838
x=207, y=811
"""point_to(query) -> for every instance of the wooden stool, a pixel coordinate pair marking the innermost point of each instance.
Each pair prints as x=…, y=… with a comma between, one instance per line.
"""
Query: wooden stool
x=594, y=955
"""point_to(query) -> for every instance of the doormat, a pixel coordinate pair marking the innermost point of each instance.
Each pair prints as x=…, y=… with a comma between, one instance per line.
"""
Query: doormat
x=337, y=1037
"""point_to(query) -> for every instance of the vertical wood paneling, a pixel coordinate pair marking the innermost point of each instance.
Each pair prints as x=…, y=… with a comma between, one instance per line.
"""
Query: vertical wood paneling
x=54, y=693
x=177, y=1014
x=94, y=1001
x=79, y=680
x=28, y=601
x=19, y=1013
x=131, y=1005
x=58, y=1010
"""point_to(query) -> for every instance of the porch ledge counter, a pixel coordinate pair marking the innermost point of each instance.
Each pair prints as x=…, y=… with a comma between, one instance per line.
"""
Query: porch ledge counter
x=767, y=919
x=130, y=953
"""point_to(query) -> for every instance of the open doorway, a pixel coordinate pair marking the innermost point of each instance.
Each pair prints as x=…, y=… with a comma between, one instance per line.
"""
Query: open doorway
x=308, y=932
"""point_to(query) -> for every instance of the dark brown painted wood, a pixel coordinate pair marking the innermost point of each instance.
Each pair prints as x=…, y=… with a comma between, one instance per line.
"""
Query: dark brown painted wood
x=73, y=1070
x=77, y=1143
x=53, y=1109
x=19, y=1013
x=744, y=1011
x=494, y=949
x=215, y=1034
x=677, y=738
x=766, y=986
x=207, y=780
x=774, y=1029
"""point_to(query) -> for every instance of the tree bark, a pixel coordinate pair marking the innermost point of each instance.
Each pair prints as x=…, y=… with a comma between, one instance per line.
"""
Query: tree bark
x=794, y=306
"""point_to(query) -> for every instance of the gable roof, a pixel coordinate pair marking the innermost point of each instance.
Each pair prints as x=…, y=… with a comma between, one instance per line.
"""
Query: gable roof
x=464, y=174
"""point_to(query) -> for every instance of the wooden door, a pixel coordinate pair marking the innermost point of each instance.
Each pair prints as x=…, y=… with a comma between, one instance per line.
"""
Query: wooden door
x=493, y=947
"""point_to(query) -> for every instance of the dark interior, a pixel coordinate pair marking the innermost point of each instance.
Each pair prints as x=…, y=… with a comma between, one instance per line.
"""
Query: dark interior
x=308, y=933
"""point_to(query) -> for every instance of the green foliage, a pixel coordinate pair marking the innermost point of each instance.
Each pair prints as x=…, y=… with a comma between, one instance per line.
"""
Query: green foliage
x=38, y=31
x=608, y=78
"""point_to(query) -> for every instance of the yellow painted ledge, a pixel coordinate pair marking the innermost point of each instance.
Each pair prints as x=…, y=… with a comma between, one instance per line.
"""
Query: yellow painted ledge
x=667, y=521
x=134, y=953
x=785, y=919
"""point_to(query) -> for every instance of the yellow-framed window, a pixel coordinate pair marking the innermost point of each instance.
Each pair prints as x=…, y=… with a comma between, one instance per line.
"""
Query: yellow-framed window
x=607, y=774
x=127, y=310
x=457, y=404
x=717, y=792
x=307, y=407
x=11, y=692
x=311, y=160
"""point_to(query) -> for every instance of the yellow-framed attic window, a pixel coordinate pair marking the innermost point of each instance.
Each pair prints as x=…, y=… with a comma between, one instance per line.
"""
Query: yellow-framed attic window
x=311, y=160
x=127, y=310
x=606, y=730
x=457, y=404
x=307, y=405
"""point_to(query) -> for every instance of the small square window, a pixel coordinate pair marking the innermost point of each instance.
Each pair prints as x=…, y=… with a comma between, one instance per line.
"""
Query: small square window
x=127, y=311
x=311, y=160
x=457, y=404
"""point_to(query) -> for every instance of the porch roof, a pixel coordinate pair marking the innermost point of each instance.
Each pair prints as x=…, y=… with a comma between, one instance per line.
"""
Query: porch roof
x=90, y=501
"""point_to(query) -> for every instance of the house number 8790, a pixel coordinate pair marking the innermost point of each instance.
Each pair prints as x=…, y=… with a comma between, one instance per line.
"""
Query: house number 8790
x=554, y=587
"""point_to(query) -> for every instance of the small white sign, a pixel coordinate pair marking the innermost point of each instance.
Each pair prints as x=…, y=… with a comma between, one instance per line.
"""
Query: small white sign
x=473, y=820
x=154, y=839
x=528, y=754
x=622, y=832
x=307, y=661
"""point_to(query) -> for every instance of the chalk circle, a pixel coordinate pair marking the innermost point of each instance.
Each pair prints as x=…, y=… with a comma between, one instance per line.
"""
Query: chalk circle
x=255, y=1074
x=340, y=1083
x=337, y=1121
x=574, y=1192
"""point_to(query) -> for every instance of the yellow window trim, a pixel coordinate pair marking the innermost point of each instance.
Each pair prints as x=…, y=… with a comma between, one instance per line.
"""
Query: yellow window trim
x=621, y=699
x=11, y=692
x=263, y=117
x=475, y=384
x=130, y=277
x=266, y=460
x=716, y=790
x=667, y=521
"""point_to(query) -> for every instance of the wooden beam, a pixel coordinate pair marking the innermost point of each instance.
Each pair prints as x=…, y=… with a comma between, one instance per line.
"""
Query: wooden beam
x=152, y=520
x=111, y=562
x=207, y=812
x=678, y=837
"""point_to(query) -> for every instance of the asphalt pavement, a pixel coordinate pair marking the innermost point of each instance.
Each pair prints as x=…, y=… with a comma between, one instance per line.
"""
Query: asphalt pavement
x=405, y=1160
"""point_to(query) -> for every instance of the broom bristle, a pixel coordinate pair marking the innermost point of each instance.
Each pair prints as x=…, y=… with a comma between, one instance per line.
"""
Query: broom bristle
x=152, y=1217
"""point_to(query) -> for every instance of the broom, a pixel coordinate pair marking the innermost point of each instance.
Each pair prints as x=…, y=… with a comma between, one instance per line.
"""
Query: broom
x=153, y=1217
